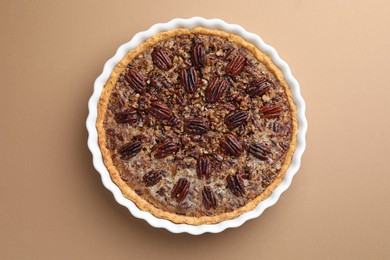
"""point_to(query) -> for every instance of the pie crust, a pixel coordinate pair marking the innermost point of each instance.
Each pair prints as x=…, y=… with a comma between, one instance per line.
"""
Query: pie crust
x=143, y=202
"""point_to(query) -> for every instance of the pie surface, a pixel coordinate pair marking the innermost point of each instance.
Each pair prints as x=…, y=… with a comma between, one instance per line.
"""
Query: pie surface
x=196, y=126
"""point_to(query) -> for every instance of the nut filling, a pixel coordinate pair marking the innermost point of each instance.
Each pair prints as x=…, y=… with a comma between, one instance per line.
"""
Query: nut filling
x=197, y=126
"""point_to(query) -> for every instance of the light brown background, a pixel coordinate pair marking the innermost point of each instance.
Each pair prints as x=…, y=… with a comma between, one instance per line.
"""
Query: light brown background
x=52, y=202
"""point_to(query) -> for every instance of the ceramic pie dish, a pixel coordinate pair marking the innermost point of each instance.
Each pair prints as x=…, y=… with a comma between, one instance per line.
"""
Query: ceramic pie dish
x=196, y=125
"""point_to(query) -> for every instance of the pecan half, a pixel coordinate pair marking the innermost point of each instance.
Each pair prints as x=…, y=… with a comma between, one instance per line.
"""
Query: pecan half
x=198, y=55
x=241, y=129
x=235, y=66
x=160, y=110
x=215, y=90
x=260, y=151
x=209, y=198
x=180, y=190
x=235, y=184
x=166, y=83
x=152, y=178
x=271, y=111
x=229, y=53
x=127, y=116
x=258, y=87
x=236, y=118
x=189, y=79
x=266, y=180
x=276, y=126
x=173, y=121
x=161, y=59
x=165, y=149
x=180, y=99
x=130, y=149
x=196, y=126
x=136, y=81
x=204, y=167
x=231, y=145
x=155, y=86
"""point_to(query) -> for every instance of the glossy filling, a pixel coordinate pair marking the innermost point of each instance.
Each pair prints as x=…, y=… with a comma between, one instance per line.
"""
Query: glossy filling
x=197, y=126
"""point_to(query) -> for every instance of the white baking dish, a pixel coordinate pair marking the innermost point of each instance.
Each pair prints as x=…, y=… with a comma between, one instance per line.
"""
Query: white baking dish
x=191, y=23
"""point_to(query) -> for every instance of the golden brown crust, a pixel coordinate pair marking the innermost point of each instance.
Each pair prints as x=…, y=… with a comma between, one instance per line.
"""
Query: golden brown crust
x=145, y=205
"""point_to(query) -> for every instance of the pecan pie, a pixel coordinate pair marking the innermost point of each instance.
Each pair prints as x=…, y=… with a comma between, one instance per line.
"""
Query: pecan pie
x=197, y=126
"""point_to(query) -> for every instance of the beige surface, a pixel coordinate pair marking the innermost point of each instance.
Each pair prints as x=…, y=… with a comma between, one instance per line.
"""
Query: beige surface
x=52, y=202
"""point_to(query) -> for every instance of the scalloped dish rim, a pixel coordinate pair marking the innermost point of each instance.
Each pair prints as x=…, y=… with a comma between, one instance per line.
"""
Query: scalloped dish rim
x=93, y=135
